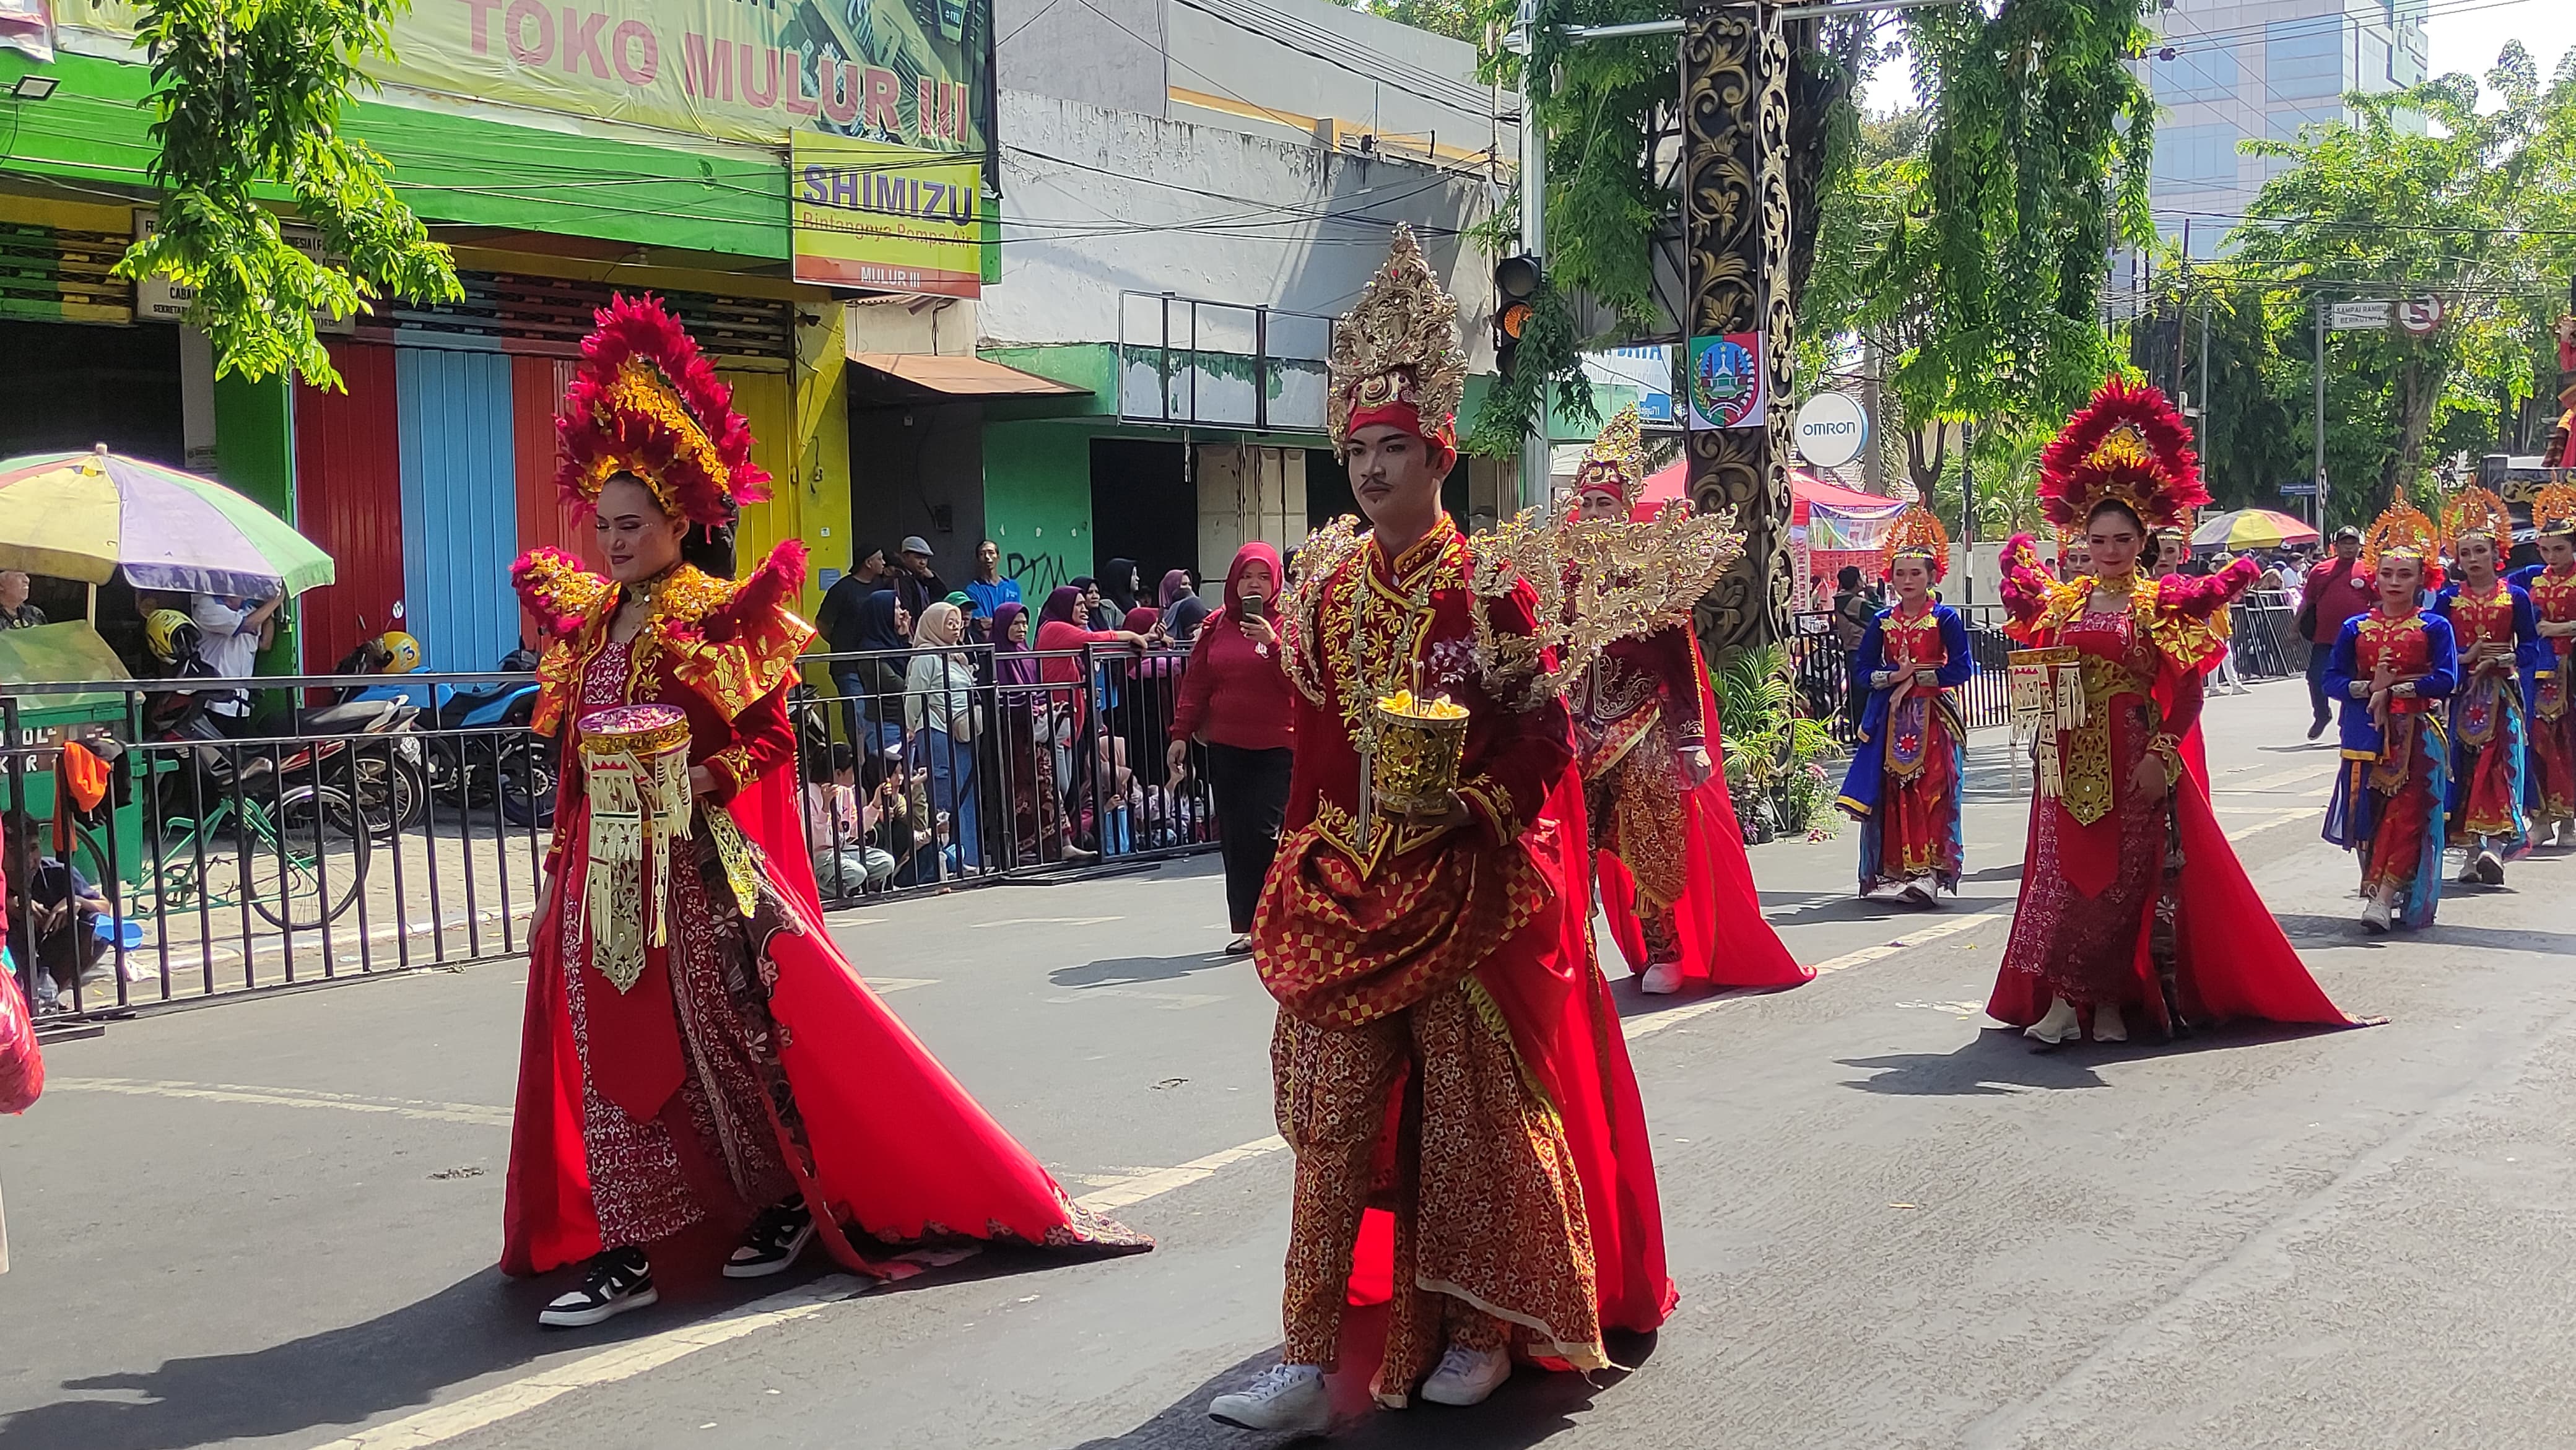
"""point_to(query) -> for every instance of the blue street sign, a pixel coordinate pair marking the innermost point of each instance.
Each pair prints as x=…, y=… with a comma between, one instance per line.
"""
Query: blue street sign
x=2300, y=488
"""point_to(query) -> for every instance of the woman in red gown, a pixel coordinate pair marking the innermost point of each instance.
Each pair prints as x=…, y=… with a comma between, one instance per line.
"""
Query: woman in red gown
x=2132, y=900
x=719, y=1064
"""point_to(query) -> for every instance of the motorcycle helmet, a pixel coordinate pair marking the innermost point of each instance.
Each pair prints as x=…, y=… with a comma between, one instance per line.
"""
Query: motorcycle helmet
x=402, y=652
x=172, y=636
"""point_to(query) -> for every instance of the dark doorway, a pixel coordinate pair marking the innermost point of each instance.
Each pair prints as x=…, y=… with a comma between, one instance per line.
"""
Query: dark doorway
x=1328, y=489
x=1143, y=506
x=84, y=386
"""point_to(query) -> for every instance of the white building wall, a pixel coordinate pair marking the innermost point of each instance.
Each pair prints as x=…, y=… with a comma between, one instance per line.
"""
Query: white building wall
x=1097, y=203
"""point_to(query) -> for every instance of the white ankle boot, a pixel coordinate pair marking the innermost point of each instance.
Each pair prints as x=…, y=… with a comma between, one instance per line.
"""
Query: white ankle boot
x=2060, y=1025
x=1287, y=1397
x=2107, y=1026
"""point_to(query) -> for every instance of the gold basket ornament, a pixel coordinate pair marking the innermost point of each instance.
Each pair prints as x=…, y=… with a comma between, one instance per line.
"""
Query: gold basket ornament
x=635, y=775
x=1421, y=740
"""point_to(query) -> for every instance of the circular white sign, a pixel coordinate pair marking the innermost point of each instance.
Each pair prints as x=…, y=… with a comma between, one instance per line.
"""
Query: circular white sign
x=1832, y=429
x=2421, y=316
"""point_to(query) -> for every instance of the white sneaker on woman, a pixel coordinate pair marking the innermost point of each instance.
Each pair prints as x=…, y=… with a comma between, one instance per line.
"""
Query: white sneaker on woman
x=1466, y=1376
x=2060, y=1025
x=1287, y=1397
x=2377, y=914
x=1660, y=979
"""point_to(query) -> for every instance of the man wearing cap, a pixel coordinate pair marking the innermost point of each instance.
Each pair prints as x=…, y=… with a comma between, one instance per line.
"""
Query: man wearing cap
x=1444, y=1049
x=916, y=588
x=2335, y=591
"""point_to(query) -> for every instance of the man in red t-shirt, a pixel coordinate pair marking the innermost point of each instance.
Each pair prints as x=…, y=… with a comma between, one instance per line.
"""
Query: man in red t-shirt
x=2334, y=592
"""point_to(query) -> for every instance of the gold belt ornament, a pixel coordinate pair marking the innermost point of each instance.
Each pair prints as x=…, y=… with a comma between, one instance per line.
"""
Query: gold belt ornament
x=2059, y=699
x=635, y=774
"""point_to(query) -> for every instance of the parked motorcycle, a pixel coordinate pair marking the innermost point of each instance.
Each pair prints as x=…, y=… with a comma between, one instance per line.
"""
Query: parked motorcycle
x=483, y=752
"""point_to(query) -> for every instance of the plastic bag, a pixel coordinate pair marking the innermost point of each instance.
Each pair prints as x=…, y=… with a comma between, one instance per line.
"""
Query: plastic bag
x=22, y=1064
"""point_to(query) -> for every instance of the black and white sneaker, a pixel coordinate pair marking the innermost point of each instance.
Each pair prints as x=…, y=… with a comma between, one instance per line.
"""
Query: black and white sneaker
x=774, y=1240
x=618, y=1280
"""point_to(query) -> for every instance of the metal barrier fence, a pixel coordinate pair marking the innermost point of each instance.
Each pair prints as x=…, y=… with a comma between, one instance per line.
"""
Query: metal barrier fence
x=1822, y=670
x=409, y=829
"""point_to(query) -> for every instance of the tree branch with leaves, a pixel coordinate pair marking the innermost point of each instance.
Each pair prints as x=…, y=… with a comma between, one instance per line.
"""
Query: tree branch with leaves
x=250, y=95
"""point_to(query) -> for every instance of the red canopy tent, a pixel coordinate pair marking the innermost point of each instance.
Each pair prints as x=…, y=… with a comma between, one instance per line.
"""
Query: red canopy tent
x=1849, y=515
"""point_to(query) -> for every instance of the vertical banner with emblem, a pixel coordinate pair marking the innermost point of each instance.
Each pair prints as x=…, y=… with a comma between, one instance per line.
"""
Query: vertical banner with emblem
x=885, y=218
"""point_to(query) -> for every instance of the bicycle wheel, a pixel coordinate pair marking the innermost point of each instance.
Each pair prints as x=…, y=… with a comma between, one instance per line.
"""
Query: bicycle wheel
x=392, y=795
x=303, y=875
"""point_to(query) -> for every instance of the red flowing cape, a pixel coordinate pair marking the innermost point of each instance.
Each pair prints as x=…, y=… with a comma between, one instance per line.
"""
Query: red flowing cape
x=2232, y=959
x=1566, y=1030
x=1725, y=940
x=897, y=1144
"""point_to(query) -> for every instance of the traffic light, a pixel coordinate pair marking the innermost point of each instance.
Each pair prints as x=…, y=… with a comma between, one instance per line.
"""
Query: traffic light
x=1516, y=280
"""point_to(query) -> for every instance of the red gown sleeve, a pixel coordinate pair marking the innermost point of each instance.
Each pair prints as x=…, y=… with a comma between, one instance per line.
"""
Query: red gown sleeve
x=763, y=740
x=1677, y=669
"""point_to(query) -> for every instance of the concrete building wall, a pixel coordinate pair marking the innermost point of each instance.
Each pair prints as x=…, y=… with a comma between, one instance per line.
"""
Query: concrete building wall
x=1312, y=58
x=1102, y=52
x=1100, y=202
x=2260, y=69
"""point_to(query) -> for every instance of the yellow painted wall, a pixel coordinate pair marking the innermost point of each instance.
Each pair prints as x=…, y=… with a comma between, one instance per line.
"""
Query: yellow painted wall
x=800, y=433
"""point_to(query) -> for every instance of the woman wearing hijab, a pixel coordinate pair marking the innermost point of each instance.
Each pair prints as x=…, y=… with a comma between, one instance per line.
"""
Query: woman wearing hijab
x=884, y=630
x=1120, y=583
x=1234, y=701
x=1027, y=748
x=1094, y=613
x=1068, y=704
x=1183, y=610
x=939, y=711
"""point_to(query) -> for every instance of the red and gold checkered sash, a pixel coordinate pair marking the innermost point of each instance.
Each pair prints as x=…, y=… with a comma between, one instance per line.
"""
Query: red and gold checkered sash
x=1340, y=948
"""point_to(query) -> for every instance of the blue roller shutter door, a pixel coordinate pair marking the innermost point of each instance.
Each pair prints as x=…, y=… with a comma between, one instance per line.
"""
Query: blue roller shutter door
x=460, y=520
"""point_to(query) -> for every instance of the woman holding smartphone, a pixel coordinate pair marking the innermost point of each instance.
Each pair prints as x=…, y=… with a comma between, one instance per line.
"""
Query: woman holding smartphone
x=1234, y=700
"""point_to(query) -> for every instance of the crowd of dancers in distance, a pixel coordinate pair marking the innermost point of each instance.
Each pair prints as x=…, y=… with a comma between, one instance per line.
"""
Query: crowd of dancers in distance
x=1487, y=730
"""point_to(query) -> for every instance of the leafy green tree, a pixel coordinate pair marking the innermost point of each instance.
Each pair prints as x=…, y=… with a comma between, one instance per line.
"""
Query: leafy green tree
x=250, y=95
x=2424, y=194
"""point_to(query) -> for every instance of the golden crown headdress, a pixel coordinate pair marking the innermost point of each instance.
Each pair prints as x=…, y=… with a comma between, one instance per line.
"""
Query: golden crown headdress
x=1395, y=356
x=1616, y=462
x=2554, y=511
x=2127, y=444
x=2475, y=510
x=2403, y=532
x=1915, y=533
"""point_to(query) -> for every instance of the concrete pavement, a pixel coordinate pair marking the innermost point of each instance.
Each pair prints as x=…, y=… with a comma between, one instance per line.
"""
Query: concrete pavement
x=272, y=1223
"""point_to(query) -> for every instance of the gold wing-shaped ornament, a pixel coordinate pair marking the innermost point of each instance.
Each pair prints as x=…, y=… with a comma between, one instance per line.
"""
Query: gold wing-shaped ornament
x=1300, y=615
x=1600, y=581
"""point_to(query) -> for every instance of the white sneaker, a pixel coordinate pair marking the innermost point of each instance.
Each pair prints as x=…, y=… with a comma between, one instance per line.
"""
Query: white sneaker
x=2488, y=868
x=1287, y=1397
x=2107, y=1026
x=2468, y=871
x=1660, y=979
x=1918, y=894
x=2060, y=1025
x=1466, y=1376
x=616, y=1281
x=2376, y=915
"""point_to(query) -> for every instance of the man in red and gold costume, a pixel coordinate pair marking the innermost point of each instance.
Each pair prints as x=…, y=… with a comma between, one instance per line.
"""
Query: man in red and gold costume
x=2551, y=583
x=2132, y=903
x=1445, y=1048
x=1675, y=881
x=698, y=1056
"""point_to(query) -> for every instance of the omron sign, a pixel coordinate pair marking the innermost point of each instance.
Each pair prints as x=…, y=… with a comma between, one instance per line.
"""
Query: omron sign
x=1832, y=430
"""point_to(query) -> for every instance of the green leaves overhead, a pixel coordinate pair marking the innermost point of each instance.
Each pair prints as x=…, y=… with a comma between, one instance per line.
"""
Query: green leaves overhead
x=250, y=94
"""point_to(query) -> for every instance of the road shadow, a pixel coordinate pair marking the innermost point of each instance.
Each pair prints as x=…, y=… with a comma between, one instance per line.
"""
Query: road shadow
x=2306, y=930
x=1531, y=1407
x=1129, y=971
x=1995, y=1063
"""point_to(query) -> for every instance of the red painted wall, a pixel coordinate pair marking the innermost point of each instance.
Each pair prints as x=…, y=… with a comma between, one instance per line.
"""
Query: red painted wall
x=348, y=501
x=536, y=389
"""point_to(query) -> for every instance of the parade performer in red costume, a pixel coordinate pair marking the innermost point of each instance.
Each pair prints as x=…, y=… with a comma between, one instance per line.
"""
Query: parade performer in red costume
x=1445, y=1048
x=2131, y=898
x=697, y=1052
x=2499, y=646
x=1912, y=760
x=2392, y=668
x=2168, y=547
x=1675, y=882
x=2551, y=583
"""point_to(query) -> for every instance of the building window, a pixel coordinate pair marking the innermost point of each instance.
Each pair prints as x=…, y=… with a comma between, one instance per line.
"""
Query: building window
x=2189, y=156
x=2198, y=72
x=2303, y=58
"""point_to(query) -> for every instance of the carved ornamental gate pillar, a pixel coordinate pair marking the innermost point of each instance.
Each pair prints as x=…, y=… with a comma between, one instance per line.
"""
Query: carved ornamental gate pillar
x=1736, y=326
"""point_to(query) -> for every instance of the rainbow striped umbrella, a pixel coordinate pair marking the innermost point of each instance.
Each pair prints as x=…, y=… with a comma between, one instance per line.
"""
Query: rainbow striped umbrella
x=88, y=515
x=2244, y=529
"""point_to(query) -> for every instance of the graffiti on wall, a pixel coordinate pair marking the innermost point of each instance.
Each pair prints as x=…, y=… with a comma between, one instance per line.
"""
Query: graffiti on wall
x=1039, y=574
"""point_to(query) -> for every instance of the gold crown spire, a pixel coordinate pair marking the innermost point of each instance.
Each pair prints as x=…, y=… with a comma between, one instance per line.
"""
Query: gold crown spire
x=1399, y=345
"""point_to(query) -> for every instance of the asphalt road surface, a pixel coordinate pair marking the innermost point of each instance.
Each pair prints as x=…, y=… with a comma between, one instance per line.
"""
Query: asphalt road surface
x=273, y=1222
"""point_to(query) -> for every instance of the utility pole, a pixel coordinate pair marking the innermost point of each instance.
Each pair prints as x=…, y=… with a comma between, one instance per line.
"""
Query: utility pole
x=1538, y=446
x=1968, y=511
x=2321, y=412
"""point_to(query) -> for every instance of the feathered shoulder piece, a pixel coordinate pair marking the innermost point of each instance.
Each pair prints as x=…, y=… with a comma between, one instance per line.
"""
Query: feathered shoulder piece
x=2190, y=620
x=2034, y=601
x=646, y=402
x=2127, y=444
x=558, y=592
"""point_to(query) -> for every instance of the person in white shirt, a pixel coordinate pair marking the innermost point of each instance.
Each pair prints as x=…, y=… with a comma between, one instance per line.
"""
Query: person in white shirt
x=235, y=630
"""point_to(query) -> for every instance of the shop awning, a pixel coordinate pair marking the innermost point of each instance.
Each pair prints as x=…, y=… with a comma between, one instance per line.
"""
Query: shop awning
x=957, y=377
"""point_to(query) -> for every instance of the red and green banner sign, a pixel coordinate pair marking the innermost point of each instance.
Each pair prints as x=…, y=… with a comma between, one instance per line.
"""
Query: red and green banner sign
x=885, y=218
x=884, y=70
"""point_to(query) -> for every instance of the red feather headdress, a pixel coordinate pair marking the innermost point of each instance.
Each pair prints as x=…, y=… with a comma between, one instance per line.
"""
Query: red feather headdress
x=645, y=402
x=2127, y=444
